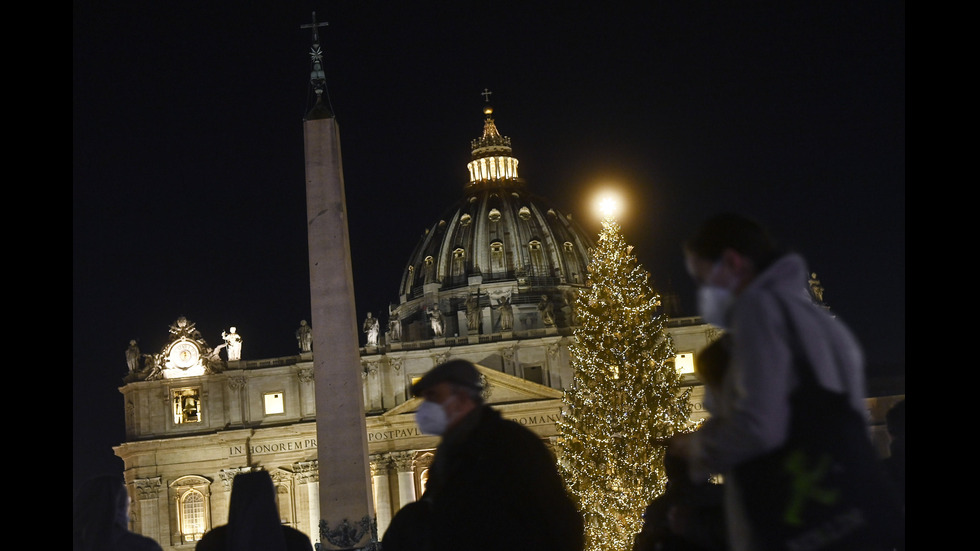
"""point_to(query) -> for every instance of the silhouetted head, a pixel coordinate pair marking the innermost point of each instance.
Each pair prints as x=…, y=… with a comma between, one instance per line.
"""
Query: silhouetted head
x=253, y=516
x=100, y=508
x=710, y=364
x=736, y=232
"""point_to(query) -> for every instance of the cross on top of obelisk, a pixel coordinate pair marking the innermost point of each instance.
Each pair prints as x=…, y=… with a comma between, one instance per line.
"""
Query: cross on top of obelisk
x=314, y=26
x=318, y=79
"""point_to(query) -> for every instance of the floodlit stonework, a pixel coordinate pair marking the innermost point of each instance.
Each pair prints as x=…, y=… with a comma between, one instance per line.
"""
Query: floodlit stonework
x=487, y=270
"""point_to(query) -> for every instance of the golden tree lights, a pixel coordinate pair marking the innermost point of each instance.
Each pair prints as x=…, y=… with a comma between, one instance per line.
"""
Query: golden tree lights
x=624, y=399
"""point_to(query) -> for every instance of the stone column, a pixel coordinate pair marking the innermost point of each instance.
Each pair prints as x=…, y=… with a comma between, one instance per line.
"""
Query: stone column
x=382, y=490
x=405, y=465
x=147, y=508
x=346, y=503
x=308, y=497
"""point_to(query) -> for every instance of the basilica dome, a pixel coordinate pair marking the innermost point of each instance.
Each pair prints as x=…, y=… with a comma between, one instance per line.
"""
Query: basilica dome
x=498, y=244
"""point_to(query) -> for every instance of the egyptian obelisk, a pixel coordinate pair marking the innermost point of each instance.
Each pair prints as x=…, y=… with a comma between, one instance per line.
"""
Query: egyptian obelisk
x=346, y=504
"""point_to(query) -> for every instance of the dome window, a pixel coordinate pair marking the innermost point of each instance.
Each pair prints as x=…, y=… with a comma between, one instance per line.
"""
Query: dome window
x=459, y=253
x=524, y=213
x=496, y=247
x=465, y=220
x=428, y=260
x=494, y=215
x=569, y=247
x=534, y=245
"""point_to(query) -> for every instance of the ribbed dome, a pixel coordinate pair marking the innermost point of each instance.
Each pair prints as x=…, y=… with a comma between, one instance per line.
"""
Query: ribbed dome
x=499, y=240
x=498, y=233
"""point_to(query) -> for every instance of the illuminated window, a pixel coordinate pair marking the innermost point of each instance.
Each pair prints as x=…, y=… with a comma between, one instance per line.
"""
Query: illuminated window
x=534, y=245
x=465, y=219
x=494, y=215
x=192, y=515
x=273, y=403
x=684, y=362
x=191, y=495
x=187, y=405
x=524, y=213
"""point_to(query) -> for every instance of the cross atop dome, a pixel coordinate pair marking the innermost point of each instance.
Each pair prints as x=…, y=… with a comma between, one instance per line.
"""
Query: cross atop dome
x=492, y=153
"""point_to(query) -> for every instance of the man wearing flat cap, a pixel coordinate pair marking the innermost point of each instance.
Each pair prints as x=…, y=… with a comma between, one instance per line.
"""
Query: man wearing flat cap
x=493, y=484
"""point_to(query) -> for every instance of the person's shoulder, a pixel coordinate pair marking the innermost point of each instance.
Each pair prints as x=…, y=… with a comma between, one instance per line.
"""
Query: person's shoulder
x=130, y=541
x=213, y=539
x=511, y=431
x=296, y=540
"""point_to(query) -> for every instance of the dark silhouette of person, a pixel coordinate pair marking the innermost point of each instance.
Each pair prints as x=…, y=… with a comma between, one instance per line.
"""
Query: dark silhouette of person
x=409, y=529
x=100, y=518
x=493, y=484
x=253, y=520
x=689, y=515
x=894, y=464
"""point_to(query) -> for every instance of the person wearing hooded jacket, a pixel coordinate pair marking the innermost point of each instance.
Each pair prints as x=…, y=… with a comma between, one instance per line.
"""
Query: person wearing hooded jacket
x=759, y=295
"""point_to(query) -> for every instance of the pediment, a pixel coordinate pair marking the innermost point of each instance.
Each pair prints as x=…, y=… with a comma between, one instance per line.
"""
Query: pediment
x=501, y=388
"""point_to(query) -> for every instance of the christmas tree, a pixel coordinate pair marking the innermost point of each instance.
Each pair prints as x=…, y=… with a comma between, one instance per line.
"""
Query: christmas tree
x=624, y=398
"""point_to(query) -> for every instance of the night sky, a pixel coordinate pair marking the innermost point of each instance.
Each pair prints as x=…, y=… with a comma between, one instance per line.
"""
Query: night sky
x=189, y=184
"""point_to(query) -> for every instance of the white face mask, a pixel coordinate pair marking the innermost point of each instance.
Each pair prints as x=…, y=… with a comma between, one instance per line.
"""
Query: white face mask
x=713, y=305
x=431, y=418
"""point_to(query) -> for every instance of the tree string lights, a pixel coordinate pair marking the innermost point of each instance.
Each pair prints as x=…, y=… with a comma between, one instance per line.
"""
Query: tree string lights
x=624, y=400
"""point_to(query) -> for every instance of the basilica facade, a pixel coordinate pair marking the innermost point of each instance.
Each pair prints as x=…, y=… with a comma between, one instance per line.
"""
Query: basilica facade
x=492, y=281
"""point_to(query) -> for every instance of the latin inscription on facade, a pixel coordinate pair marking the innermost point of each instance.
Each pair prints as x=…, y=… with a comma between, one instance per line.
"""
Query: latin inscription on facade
x=385, y=435
x=274, y=447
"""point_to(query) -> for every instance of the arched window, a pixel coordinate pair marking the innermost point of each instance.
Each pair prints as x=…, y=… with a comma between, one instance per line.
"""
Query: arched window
x=191, y=516
x=538, y=265
x=497, y=264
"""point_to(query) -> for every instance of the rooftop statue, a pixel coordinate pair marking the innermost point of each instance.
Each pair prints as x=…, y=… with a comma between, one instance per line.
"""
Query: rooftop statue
x=133, y=357
x=233, y=342
x=506, y=314
x=304, y=336
x=371, y=327
x=473, y=313
x=394, y=327
x=547, y=310
x=437, y=322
